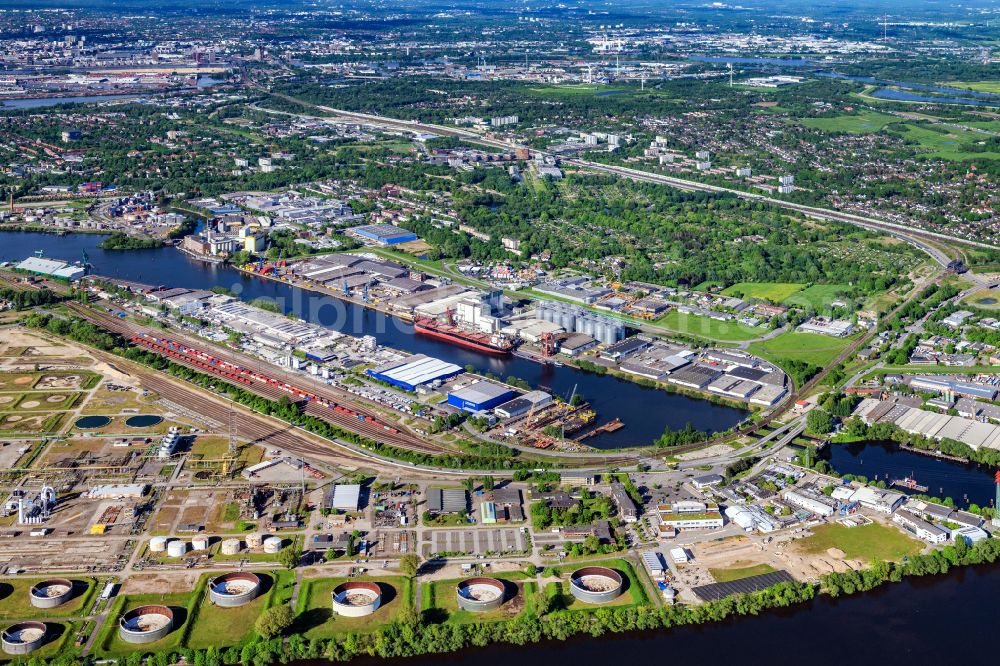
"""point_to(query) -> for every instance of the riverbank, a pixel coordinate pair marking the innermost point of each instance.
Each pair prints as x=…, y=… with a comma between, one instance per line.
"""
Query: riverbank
x=614, y=372
x=545, y=619
x=647, y=412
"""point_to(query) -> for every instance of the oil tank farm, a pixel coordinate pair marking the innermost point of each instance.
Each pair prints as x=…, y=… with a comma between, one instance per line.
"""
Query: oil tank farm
x=596, y=585
x=145, y=624
x=158, y=544
x=24, y=637
x=51, y=593
x=233, y=589
x=356, y=598
x=481, y=594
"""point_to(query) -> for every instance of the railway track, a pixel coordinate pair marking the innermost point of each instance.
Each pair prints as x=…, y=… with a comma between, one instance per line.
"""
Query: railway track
x=327, y=405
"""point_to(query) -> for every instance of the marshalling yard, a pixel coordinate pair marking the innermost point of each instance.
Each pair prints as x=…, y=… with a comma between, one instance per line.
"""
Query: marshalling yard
x=144, y=491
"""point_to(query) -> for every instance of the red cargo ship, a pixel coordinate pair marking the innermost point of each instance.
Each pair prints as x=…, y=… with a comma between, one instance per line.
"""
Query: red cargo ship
x=489, y=344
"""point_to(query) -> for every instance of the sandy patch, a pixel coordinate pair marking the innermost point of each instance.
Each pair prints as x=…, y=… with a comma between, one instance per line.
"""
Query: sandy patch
x=5, y=399
x=23, y=380
x=29, y=404
x=13, y=418
x=175, y=582
x=55, y=398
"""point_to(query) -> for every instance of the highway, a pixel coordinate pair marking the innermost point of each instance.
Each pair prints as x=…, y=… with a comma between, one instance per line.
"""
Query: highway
x=917, y=238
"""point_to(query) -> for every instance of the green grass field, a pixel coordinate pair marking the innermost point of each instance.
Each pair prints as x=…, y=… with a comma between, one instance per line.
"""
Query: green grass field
x=981, y=86
x=818, y=296
x=947, y=146
x=860, y=123
x=634, y=595
x=738, y=573
x=865, y=542
x=214, y=625
x=987, y=299
x=16, y=605
x=439, y=603
x=706, y=327
x=108, y=643
x=776, y=292
x=809, y=347
x=582, y=89
x=315, y=617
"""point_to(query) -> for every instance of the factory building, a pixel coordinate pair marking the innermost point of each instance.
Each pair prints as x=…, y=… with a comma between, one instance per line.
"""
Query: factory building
x=414, y=371
x=346, y=497
x=809, y=502
x=479, y=395
x=523, y=404
x=383, y=234
x=960, y=388
x=51, y=268
x=883, y=501
x=688, y=515
x=920, y=528
x=626, y=506
x=447, y=500
x=751, y=518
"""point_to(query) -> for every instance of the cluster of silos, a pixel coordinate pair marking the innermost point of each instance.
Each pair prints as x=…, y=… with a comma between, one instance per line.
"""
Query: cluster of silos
x=596, y=585
x=146, y=624
x=479, y=595
x=574, y=319
x=159, y=545
x=233, y=589
x=51, y=593
x=254, y=541
x=23, y=637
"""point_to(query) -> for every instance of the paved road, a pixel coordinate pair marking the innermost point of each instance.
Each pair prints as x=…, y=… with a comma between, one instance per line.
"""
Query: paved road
x=908, y=234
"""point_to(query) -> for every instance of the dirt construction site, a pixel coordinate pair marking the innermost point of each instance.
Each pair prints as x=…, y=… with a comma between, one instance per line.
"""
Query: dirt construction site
x=744, y=552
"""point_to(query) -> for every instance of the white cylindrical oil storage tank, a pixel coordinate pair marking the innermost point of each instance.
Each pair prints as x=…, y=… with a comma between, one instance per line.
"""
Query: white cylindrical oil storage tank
x=273, y=544
x=24, y=637
x=568, y=321
x=200, y=542
x=596, y=585
x=479, y=595
x=356, y=598
x=254, y=540
x=233, y=589
x=230, y=547
x=177, y=548
x=157, y=544
x=146, y=624
x=51, y=593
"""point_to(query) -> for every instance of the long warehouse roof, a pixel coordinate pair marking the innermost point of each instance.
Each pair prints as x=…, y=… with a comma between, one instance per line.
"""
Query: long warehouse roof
x=418, y=370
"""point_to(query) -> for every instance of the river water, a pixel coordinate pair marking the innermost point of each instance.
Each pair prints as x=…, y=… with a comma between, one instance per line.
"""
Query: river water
x=963, y=482
x=933, y=620
x=38, y=103
x=646, y=412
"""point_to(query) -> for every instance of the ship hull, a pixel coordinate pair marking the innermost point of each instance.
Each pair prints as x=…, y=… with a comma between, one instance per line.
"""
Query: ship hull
x=461, y=341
